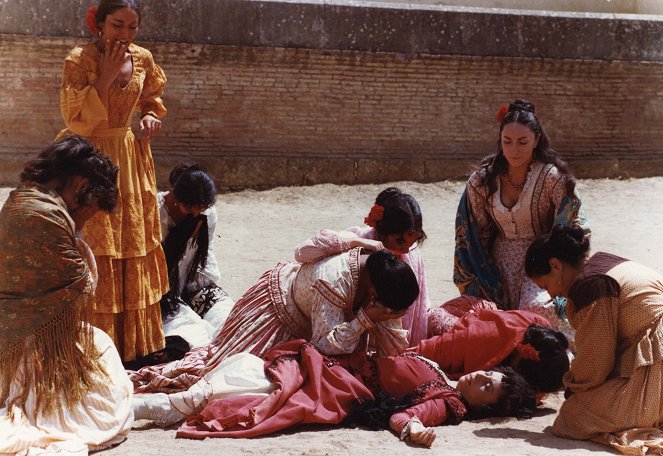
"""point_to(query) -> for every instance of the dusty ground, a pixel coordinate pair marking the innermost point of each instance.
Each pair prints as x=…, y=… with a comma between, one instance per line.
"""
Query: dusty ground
x=257, y=229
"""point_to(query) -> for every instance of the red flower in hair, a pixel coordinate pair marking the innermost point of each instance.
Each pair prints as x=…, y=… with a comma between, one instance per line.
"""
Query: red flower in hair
x=501, y=113
x=374, y=216
x=526, y=351
x=91, y=20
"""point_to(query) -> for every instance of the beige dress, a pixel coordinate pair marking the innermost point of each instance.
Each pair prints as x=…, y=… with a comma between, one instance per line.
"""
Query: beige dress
x=616, y=378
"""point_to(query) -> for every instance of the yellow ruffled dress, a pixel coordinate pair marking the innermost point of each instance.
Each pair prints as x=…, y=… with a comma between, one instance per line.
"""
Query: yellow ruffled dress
x=127, y=243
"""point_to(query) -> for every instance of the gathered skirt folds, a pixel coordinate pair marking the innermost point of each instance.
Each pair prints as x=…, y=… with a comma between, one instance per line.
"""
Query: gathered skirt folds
x=624, y=412
x=126, y=243
x=102, y=419
x=254, y=326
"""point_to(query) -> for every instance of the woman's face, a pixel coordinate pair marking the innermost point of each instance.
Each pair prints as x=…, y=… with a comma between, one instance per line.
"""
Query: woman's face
x=558, y=281
x=120, y=25
x=193, y=209
x=401, y=243
x=518, y=143
x=481, y=387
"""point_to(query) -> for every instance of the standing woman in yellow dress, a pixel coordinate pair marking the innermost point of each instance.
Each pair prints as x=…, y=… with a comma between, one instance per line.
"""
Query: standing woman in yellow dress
x=103, y=83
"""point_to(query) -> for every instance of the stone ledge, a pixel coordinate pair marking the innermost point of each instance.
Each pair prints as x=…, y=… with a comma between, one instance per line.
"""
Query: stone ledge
x=365, y=26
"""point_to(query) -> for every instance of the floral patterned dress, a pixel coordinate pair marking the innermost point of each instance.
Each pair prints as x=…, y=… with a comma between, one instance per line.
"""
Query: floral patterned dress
x=506, y=233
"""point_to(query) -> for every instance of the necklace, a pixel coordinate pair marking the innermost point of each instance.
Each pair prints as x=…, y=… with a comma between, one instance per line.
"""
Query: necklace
x=518, y=187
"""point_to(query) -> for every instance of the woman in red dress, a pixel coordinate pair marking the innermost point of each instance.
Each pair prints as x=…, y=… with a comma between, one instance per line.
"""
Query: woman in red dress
x=410, y=392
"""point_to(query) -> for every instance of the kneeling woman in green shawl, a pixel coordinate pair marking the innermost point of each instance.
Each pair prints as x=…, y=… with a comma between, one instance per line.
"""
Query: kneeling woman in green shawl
x=62, y=385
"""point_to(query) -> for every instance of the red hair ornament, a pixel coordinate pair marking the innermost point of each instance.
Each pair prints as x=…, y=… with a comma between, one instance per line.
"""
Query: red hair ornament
x=526, y=351
x=501, y=113
x=374, y=216
x=91, y=20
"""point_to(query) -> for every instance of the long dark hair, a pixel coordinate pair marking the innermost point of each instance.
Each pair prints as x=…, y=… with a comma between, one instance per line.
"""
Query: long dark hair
x=374, y=413
x=401, y=213
x=107, y=7
x=191, y=186
x=518, y=399
x=76, y=156
x=522, y=112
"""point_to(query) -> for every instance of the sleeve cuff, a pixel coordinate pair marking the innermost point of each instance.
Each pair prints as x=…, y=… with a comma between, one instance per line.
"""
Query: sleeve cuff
x=364, y=320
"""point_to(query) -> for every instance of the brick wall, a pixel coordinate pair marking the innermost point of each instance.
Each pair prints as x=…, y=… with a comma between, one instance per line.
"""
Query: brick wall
x=265, y=116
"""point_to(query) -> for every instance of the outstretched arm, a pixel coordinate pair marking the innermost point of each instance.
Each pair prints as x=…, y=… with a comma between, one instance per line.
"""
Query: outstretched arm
x=415, y=423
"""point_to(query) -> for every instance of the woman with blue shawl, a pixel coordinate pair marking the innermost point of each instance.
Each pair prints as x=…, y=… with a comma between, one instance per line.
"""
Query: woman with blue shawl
x=515, y=195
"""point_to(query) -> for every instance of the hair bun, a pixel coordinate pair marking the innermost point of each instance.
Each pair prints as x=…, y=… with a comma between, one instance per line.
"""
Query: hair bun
x=570, y=235
x=386, y=194
x=522, y=105
x=180, y=169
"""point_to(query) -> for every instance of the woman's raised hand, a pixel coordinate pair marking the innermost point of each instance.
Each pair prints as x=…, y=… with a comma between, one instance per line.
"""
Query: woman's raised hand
x=110, y=62
x=378, y=312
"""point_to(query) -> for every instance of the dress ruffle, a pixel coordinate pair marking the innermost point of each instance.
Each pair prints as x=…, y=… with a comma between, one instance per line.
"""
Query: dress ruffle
x=126, y=304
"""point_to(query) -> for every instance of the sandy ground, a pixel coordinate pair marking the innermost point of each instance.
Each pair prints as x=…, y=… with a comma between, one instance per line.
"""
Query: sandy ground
x=257, y=229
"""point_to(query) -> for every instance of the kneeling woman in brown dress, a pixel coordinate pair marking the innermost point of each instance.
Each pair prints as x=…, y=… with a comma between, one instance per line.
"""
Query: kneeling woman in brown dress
x=615, y=385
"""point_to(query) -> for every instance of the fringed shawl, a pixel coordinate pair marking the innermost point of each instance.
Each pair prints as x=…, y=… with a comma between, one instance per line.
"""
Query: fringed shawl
x=45, y=284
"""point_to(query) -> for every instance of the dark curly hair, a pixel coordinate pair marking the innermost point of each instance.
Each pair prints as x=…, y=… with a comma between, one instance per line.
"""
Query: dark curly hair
x=546, y=374
x=518, y=398
x=374, y=413
x=401, y=213
x=522, y=112
x=75, y=156
x=567, y=243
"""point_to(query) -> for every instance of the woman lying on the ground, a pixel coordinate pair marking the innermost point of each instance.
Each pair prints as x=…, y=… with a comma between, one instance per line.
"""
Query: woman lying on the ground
x=394, y=223
x=188, y=222
x=336, y=303
x=62, y=384
x=483, y=337
x=614, y=389
x=313, y=388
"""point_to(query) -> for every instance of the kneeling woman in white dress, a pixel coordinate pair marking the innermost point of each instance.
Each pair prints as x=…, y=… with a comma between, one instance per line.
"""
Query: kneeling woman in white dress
x=62, y=385
x=196, y=305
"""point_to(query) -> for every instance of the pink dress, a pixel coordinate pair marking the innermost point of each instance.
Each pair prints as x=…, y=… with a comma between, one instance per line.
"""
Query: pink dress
x=328, y=242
